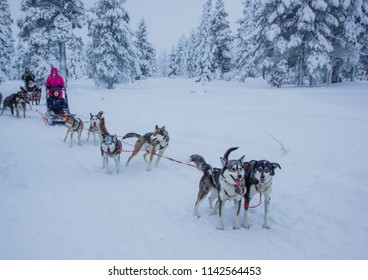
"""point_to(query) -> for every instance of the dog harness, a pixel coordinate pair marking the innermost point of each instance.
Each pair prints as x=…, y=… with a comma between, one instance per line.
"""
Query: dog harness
x=163, y=147
x=79, y=123
x=117, y=150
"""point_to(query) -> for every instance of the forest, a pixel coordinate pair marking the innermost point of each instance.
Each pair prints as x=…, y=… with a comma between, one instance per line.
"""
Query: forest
x=286, y=42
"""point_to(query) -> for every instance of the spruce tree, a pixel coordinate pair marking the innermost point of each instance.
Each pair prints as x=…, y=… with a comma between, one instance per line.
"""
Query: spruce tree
x=146, y=52
x=246, y=39
x=222, y=41
x=6, y=41
x=113, y=56
x=47, y=27
x=204, y=47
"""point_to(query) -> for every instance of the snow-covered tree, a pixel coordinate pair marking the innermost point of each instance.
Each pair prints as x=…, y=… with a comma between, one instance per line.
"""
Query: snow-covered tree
x=222, y=41
x=310, y=40
x=204, y=47
x=113, y=56
x=163, y=64
x=6, y=41
x=146, y=52
x=47, y=27
x=246, y=39
x=352, y=27
x=76, y=59
x=362, y=20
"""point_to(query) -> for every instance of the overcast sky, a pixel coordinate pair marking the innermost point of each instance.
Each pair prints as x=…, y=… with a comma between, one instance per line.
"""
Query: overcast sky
x=166, y=20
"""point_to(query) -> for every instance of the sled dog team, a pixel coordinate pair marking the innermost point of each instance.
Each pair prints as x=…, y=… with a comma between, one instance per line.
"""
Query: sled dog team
x=236, y=179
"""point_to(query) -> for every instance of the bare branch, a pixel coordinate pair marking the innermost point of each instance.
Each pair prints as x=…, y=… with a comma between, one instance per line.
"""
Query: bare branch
x=282, y=146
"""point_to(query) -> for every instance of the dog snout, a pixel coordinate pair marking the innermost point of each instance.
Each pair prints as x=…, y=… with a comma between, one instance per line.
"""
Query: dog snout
x=240, y=176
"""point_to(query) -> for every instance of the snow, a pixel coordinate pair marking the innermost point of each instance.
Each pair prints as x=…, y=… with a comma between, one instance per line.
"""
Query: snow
x=57, y=203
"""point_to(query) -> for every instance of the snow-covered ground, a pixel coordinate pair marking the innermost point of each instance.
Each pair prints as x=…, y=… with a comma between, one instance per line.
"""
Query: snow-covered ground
x=57, y=203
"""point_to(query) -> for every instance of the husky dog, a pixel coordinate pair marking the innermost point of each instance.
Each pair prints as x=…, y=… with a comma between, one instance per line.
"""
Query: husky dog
x=23, y=94
x=74, y=125
x=15, y=101
x=110, y=147
x=227, y=183
x=10, y=102
x=94, y=129
x=158, y=140
x=36, y=95
x=207, y=184
x=259, y=180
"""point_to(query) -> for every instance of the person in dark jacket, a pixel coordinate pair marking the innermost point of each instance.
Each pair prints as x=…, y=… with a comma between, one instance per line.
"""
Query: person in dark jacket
x=56, y=103
x=28, y=77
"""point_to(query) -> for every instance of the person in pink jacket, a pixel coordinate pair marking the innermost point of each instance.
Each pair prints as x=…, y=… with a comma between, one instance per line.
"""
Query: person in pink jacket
x=54, y=81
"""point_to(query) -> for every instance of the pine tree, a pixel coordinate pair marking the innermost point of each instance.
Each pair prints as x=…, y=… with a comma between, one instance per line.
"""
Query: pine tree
x=246, y=41
x=352, y=25
x=222, y=40
x=6, y=41
x=146, y=52
x=163, y=64
x=310, y=43
x=76, y=59
x=112, y=53
x=47, y=27
x=204, y=47
x=362, y=20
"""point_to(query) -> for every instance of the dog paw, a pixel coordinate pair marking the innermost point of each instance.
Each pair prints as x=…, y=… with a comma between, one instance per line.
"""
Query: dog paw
x=236, y=227
x=247, y=226
x=220, y=226
x=266, y=227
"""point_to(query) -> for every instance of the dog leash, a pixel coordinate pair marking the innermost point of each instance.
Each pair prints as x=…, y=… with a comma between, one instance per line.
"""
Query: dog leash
x=43, y=117
x=247, y=206
x=168, y=158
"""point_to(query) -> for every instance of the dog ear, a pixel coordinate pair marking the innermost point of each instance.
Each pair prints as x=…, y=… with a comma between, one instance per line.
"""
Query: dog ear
x=223, y=162
x=276, y=165
x=242, y=158
x=115, y=137
x=163, y=128
x=90, y=115
x=156, y=127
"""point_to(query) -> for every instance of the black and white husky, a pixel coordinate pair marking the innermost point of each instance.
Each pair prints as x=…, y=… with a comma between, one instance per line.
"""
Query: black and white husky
x=259, y=180
x=94, y=127
x=227, y=183
x=110, y=147
x=151, y=142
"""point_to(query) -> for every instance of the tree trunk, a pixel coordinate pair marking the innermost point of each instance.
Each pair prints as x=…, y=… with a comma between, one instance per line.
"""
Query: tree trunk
x=63, y=71
x=300, y=69
x=353, y=73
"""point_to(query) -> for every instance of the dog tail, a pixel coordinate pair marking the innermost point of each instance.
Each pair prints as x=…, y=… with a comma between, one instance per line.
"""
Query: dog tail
x=130, y=135
x=200, y=163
